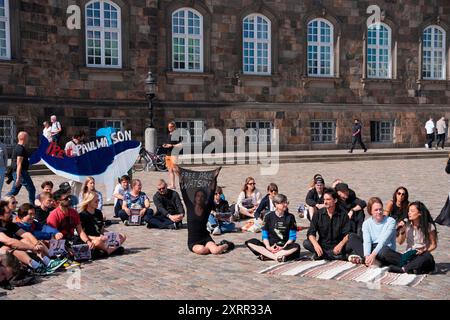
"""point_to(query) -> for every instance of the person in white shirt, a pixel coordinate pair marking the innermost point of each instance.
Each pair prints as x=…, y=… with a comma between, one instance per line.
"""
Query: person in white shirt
x=249, y=199
x=119, y=193
x=441, y=128
x=56, y=129
x=429, y=127
x=72, y=149
x=47, y=131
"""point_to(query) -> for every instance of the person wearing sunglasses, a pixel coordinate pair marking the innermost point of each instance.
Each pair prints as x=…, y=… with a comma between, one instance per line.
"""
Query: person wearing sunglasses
x=279, y=234
x=11, y=230
x=12, y=204
x=249, y=198
x=397, y=208
x=66, y=220
x=169, y=209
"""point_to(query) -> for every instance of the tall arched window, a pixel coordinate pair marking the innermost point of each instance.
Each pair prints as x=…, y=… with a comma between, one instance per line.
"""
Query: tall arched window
x=256, y=44
x=187, y=40
x=433, y=54
x=5, y=43
x=320, y=48
x=379, y=61
x=103, y=34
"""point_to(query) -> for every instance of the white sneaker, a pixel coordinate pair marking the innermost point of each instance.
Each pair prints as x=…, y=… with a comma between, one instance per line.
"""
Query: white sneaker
x=426, y=145
x=216, y=231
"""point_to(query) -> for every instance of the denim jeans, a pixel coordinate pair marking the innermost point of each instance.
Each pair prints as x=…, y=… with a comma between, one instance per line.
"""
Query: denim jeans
x=2, y=179
x=27, y=183
x=224, y=226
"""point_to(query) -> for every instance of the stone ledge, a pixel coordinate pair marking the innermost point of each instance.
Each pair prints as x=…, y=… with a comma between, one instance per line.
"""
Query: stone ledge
x=425, y=84
x=105, y=74
x=10, y=64
x=379, y=83
x=321, y=82
x=195, y=75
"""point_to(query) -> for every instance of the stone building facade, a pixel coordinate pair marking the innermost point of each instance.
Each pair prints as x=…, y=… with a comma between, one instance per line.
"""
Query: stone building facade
x=49, y=69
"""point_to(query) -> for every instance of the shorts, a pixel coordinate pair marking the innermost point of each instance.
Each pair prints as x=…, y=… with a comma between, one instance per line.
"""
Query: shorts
x=201, y=242
x=293, y=256
x=171, y=162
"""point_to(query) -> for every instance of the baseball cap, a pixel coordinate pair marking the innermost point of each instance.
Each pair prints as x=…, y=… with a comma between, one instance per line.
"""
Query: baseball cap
x=343, y=187
x=65, y=186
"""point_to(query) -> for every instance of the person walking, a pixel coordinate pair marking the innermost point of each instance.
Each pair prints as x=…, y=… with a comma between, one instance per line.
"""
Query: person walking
x=441, y=128
x=356, y=136
x=429, y=127
x=3, y=164
x=20, y=165
x=171, y=159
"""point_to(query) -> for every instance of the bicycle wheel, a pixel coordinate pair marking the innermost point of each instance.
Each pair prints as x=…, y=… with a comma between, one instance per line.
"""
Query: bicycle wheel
x=160, y=163
x=140, y=164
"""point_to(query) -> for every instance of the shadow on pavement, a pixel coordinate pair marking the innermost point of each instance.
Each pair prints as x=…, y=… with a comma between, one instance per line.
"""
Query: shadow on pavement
x=442, y=268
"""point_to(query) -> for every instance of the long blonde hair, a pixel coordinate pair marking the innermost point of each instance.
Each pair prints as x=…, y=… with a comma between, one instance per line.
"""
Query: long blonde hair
x=84, y=188
x=88, y=197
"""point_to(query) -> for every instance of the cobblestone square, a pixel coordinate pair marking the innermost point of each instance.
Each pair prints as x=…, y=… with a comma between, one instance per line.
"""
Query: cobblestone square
x=158, y=265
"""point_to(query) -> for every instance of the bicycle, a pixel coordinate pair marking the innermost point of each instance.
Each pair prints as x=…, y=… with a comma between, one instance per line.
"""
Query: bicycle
x=149, y=160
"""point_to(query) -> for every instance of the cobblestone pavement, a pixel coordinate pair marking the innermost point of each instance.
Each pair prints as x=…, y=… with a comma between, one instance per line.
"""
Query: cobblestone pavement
x=158, y=265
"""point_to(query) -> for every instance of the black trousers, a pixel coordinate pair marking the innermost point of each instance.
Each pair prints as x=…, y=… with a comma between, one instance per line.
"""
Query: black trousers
x=421, y=264
x=430, y=139
x=327, y=252
x=441, y=140
x=357, y=139
x=356, y=222
x=292, y=256
x=386, y=255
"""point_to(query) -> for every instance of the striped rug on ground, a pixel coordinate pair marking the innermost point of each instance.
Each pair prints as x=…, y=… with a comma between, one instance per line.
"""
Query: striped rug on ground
x=343, y=270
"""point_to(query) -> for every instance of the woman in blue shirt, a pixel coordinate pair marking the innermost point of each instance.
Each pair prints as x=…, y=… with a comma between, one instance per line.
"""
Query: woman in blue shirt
x=378, y=240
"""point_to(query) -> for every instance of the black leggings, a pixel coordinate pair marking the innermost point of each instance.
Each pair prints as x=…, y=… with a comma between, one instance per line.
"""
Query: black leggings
x=421, y=264
x=386, y=255
x=292, y=256
x=327, y=252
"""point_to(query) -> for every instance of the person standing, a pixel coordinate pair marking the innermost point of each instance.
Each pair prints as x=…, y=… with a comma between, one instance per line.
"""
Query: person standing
x=3, y=164
x=56, y=129
x=47, y=131
x=171, y=160
x=441, y=128
x=429, y=127
x=20, y=165
x=356, y=136
x=72, y=149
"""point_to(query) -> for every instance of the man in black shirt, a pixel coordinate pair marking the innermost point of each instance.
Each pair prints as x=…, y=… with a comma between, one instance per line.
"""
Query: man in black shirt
x=353, y=206
x=169, y=209
x=20, y=164
x=356, y=136
x=333, y=228
x=47, y=205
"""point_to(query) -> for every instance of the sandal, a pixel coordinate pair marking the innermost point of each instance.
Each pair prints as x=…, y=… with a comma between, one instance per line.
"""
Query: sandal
x=281, y=259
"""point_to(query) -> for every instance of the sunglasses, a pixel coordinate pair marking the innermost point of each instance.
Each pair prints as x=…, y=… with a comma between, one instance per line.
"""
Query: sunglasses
x=401, y=193
x=251, y=184
x=64, y=199
x=14, y=202
x=162, y=189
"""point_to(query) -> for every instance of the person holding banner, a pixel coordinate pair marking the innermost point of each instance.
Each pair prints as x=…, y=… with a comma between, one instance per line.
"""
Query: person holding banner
x=92, y=221
x=135, y=198
x=198, y=188
x=279, y=234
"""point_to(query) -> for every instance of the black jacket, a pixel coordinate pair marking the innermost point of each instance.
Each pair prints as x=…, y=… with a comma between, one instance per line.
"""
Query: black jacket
x=170, y=203
x=312, y=198
x=222, y=206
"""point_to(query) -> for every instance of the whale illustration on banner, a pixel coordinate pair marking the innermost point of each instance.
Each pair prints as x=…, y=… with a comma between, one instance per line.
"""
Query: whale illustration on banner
x=102, y=160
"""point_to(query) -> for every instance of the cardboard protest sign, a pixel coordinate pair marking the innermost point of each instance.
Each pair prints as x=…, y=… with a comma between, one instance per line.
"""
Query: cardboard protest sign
x=57, y=247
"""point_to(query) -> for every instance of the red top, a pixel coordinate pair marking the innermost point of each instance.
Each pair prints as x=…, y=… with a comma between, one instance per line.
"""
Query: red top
x=64, y=222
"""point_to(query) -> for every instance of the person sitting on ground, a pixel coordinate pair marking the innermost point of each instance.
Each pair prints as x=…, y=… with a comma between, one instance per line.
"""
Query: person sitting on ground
x=353, y=206
x=89, y=185
x=266, y=205
x=47, y=206
x=169, y=209
x=65, y=187
x=333, y=226
x=11, y=230
x=135, y=199
x=378, y=242
x=46, y=186
x=279, y=234
x=219, y=219
x=397, y=208
x=199, y=240
x=314, y=198
x=421, y=238
x=92, y=222
x=249, y=199
x=25, y=220
x=11, y=202
x=119, y=193
x=66, y=220
x=9, y=268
